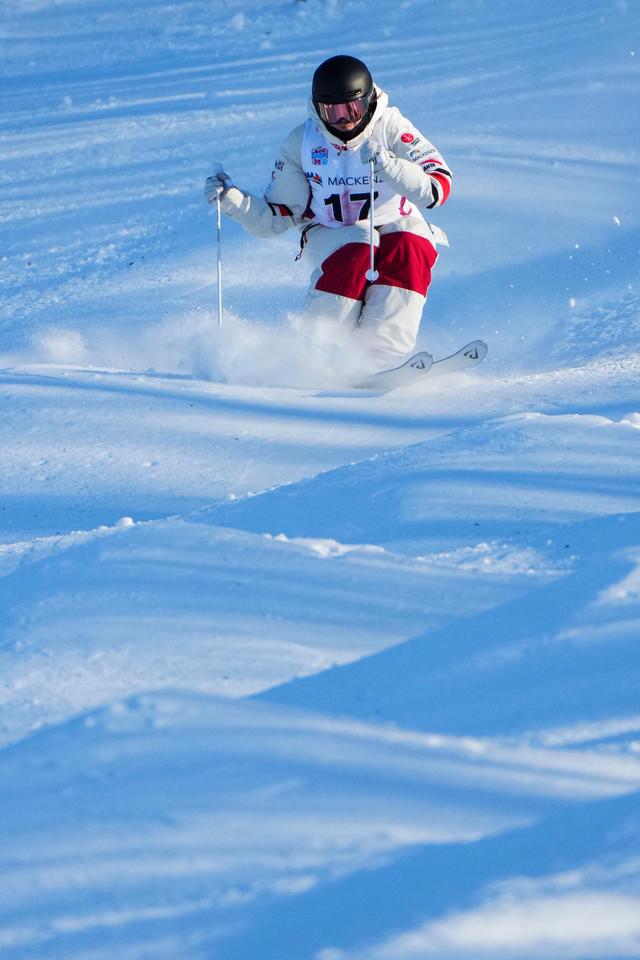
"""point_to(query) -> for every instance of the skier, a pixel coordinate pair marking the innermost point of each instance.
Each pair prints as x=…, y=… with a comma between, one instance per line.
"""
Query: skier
x=321, y=185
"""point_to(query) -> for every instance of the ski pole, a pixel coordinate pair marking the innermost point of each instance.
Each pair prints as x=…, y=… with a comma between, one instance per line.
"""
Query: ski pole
x=372, y=273
x=219, y=234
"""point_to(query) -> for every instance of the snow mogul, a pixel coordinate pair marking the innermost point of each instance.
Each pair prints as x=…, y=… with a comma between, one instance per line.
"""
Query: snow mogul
x=321, y=185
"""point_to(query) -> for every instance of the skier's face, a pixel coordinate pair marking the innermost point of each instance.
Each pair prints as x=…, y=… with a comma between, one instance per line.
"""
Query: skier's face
x=345, y=124
x=343, y=116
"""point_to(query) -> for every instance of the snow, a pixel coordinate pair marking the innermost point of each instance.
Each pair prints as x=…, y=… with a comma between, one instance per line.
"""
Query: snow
x=289, y=669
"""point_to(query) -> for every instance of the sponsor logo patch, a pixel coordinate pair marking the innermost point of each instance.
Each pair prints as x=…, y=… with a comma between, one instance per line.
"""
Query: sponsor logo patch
x=407, y=138
x=319, y=155
x=314, y=178
x=279, y=164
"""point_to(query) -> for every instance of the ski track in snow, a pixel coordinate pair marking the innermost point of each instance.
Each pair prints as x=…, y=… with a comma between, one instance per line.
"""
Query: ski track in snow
x=289, y=669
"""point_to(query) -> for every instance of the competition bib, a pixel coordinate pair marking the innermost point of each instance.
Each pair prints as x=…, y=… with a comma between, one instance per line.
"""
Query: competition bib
x=341, y=184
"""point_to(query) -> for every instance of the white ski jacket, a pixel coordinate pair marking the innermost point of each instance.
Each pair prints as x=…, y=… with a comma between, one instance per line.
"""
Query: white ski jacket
x=319, y=179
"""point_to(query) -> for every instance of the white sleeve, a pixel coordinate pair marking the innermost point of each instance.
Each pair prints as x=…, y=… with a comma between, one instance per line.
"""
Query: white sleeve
x=256, y=214
x=416, y=168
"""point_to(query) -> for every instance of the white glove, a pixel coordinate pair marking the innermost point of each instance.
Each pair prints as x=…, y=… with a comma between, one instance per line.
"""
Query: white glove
x=370, y=150
x=217, y=184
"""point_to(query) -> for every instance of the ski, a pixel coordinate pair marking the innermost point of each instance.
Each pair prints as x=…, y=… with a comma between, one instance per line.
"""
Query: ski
x=422, y=366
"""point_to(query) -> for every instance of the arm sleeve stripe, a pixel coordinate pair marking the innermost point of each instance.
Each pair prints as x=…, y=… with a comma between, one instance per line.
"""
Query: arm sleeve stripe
x=437, y=196
x=279, y=209
x=443, y=182
x=428, y=168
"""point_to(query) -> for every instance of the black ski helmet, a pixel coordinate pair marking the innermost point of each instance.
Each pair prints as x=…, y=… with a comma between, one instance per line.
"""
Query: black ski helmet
x=341, y=79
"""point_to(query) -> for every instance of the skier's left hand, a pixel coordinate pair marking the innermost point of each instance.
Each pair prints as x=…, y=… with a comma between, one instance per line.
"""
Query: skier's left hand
x=370, y=150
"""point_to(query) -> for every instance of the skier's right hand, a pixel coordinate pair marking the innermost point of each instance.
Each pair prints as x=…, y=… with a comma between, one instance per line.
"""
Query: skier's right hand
x=370, y=150
x=217, y=184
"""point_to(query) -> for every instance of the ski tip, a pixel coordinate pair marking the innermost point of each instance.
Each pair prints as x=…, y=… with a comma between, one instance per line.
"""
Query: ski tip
x=420, y=362
x=475, y=351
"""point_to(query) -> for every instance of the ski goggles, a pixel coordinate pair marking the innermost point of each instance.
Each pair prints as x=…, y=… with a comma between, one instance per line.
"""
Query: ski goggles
x=352, y=112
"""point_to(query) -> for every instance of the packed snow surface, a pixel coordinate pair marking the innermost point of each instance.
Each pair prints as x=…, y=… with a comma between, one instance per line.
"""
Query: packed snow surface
x=288, y=669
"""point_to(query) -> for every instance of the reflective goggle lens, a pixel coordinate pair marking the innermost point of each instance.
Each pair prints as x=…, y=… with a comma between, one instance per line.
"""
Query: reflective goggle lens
x=351, y=112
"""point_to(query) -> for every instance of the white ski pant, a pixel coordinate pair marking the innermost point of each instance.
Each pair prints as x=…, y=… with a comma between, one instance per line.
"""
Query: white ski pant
x=387, y=312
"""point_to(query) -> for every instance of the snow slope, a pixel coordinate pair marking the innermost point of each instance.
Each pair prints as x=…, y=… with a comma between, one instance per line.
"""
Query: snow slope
x=288, y=669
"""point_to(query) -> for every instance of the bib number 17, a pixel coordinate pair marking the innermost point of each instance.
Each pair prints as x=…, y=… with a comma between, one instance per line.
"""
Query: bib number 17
x=335, y=201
